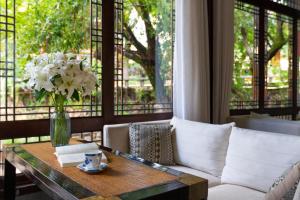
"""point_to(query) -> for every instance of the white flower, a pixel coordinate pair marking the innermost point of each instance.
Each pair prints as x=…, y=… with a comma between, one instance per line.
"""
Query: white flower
x=52, y=69
x=61, y=74
x=43, y=81
x=30, y=70
x=68, y=86
x=59, y=56
x=89, y=83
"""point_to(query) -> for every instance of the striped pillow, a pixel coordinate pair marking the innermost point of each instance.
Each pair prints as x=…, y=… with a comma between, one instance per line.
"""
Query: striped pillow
x=152, y=142
x=297, y=193
x=285, y=186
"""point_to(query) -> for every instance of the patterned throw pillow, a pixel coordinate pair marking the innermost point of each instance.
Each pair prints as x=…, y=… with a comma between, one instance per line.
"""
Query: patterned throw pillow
x=297, y=194
x=152, y=142
x=285, y=186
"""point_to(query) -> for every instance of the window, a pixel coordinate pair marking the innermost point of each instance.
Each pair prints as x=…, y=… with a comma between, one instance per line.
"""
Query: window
x=94, y=29
x=144, y=57
x=245, y=76
x=143, y=53
x=278, y=60
x=265, y=57
x=37, y=27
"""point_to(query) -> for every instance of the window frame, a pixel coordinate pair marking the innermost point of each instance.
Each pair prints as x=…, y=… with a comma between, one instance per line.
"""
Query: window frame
x=292, y=111
x=33, y=128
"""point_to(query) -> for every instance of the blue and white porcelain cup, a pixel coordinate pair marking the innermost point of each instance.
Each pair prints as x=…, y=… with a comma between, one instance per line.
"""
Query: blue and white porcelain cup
x=93, y=160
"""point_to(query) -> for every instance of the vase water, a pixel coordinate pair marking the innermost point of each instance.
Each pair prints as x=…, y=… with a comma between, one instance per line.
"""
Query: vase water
x=60, y=128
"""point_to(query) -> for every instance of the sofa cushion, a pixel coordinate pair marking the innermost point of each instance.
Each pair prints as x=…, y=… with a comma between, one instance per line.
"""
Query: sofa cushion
x=234, y=192
x=153, y=142
x=212, y=180
x=201, y=146
x=255, y=158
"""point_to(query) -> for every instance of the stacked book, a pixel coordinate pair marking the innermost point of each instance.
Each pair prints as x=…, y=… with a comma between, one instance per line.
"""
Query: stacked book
x=73, y=155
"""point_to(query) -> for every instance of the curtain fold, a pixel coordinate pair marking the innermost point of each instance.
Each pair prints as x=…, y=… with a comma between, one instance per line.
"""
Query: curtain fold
x=191, y=61
x=223, y=52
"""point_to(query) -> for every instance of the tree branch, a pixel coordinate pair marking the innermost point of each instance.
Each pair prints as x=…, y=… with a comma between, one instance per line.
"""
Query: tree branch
x=135, y=56
x=150, y=31
x=275, y=48
x=129, y=35
x=249, y=50
x=279, y=41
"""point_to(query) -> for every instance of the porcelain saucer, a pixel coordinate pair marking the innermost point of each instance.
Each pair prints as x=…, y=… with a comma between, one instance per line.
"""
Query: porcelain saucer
x=102, y=167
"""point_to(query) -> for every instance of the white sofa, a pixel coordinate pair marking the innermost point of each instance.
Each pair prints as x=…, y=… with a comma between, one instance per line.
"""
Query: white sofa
x=239, y=164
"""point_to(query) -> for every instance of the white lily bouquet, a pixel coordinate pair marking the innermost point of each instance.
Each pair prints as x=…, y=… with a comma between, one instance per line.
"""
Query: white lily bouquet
x=63, y=77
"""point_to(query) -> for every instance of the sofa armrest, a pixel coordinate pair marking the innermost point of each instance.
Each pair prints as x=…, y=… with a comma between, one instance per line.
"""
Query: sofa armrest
x=117, y=136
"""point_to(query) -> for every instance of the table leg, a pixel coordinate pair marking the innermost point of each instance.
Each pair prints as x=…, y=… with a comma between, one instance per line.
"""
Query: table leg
x=9, y=181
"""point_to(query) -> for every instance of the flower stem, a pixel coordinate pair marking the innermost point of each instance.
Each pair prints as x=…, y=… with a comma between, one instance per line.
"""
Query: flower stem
x=60, y=130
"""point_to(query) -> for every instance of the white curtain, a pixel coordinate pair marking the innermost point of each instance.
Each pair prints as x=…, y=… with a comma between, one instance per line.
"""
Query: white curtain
x=191, y=61
x=223, y=44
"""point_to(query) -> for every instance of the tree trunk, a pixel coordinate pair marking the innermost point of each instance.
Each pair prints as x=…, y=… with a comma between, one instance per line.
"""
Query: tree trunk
x=153, y=73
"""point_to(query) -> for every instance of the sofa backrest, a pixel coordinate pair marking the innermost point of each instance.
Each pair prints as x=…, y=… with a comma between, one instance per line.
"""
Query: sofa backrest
x=255, y=158
x=197, y=145
x=268, y=124
x=201, y=146
x=116, y=136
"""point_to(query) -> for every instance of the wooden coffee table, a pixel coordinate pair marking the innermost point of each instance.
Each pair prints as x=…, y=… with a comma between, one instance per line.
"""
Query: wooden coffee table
x=127, y=177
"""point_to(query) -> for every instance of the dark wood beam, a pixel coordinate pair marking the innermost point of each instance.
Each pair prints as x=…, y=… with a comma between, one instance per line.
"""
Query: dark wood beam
x=271, y=111
x=295, y=69
x=261, y=57
x=108, y=63
x=273, y=6
x=141, y=118
x=211, y=60
x=32, y=128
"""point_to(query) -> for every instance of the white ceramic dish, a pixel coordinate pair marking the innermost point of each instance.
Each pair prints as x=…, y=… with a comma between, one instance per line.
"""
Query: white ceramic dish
x=102, y=167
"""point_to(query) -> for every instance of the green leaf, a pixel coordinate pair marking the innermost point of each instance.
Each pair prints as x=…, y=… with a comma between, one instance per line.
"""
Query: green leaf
x=81, y=65
x=40, y=94
x=56, y=76
x=75, y=95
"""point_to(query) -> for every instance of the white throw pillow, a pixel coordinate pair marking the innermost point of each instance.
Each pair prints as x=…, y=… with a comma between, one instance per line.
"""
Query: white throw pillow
x=201, y=146
x=256, y=158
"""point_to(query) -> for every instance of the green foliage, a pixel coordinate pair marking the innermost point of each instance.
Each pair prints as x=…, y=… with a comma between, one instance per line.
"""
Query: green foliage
x=145, y=96
x=40, y=94
x=50, y=26
x=278, y=50
x=46, y=26
x=75, y=96
x=151, y=44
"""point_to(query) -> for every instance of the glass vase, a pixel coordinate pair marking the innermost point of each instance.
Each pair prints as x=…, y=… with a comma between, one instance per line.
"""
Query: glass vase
x=60, y=129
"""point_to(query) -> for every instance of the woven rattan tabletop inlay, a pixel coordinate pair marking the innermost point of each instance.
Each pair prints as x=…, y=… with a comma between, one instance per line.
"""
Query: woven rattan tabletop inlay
x=122, y=176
